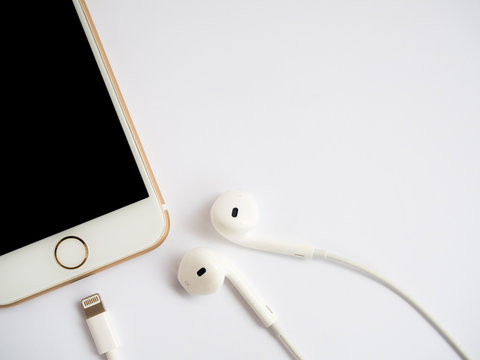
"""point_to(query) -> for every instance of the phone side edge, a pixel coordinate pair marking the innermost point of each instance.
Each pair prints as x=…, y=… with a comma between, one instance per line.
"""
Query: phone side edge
x=129, y=120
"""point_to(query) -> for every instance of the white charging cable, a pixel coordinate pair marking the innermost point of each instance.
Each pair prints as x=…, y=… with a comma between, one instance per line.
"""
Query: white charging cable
x=100, y=328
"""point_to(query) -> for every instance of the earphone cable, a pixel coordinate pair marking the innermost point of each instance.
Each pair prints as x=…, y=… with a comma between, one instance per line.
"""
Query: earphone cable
x=278, y=331
x=371, y=274
x=112, y=355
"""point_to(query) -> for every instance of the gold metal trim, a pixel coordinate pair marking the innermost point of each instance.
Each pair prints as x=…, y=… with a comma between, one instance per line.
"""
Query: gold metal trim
x=84, y=259
x=166, y=215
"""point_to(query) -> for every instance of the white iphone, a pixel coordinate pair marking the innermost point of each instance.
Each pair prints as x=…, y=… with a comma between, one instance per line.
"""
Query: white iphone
x=80, y=195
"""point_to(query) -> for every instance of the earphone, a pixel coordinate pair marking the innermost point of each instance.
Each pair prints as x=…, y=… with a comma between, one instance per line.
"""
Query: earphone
x=234, y=215
x=202, y=271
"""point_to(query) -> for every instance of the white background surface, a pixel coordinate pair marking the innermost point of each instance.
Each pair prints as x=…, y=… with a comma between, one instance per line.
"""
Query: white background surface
x=355, y=124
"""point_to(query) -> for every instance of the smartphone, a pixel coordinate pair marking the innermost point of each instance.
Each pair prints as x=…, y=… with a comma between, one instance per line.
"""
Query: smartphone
x=79, y=193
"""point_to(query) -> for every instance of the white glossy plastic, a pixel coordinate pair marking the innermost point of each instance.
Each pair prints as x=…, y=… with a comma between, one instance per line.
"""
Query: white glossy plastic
x=102, y=333
x=235, y=213
x=202, y=271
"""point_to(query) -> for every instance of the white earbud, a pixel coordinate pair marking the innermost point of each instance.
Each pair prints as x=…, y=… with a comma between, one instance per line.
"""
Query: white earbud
x=234, y=214
x=202, y=271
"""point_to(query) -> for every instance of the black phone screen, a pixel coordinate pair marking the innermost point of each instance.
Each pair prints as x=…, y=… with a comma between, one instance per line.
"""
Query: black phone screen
x=67, y=158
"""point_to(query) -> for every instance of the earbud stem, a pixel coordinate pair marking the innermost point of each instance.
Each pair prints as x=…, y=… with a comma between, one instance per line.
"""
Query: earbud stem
x=279, y=247
x=251, y=296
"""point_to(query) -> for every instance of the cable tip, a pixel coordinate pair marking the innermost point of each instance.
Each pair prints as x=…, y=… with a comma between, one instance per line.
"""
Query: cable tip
x=99, y=326
x=92, y=305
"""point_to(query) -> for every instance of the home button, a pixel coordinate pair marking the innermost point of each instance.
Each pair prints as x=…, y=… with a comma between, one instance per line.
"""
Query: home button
x=71, y=252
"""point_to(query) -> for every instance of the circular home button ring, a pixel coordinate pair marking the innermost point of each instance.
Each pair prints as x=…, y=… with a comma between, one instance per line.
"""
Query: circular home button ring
x=71, y=252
